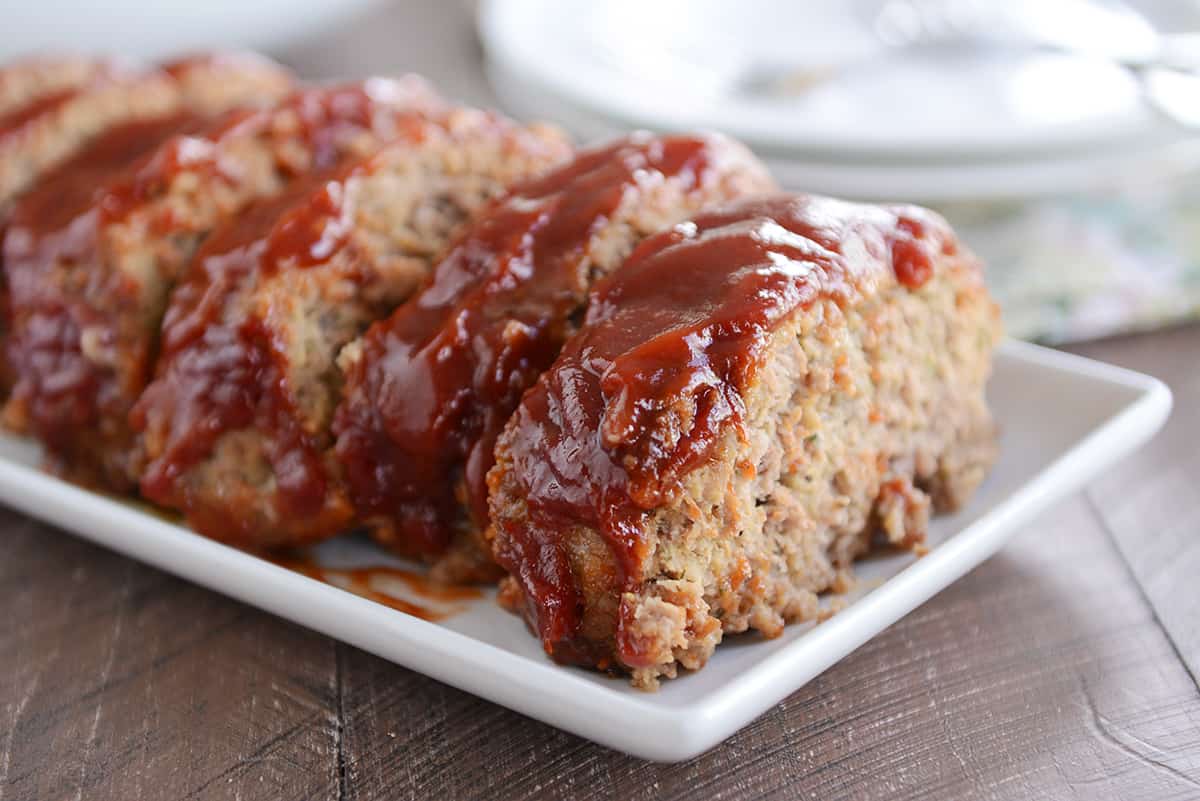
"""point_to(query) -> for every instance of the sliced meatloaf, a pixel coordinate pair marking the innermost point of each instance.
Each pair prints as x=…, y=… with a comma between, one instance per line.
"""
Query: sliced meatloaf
x=22, y=82
x=93, y=252
x=428, y=389
x=752, y=398
x=211, y=83
x=237, y=421
x=50, y=128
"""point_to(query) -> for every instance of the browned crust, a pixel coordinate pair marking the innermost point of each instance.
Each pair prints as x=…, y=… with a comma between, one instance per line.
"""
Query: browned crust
x=522, y=306
x=865, y=413
x=279, y=321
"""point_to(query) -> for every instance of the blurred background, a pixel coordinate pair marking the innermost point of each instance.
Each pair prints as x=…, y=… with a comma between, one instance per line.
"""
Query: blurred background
x=1061, y=137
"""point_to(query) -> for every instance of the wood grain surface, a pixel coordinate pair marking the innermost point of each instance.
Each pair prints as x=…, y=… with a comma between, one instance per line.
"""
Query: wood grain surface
x=1150, y=504
x=1065, y=667
x=1062, y=668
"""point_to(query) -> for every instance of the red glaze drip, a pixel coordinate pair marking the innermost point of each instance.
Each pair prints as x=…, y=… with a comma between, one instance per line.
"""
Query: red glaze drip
x=222, y=372
x=224, y=375
x=63, y=219
x=232, y=61
x=332, y=118
x=95, y=178
x=365, y=582
x=326, y=120
x=58, y=219
x=440, y=377
x=103, y=72
x=656, y=376
x=12, y=123
x=309, y=234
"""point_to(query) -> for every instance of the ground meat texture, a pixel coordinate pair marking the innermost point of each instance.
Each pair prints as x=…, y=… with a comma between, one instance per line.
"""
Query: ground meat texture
x=50, y=128
x=22, y=82
x=237, y=421
x=753, y=397
x=213, y=82
x=94, y=251
x=53, y=127
x=58, y=108
x=428, y=390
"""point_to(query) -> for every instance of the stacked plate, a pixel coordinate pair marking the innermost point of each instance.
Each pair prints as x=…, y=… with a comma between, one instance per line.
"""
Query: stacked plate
x=858, y=98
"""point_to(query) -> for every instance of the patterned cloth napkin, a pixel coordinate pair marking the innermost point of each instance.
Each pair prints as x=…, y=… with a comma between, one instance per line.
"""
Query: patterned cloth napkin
x=1075, y=268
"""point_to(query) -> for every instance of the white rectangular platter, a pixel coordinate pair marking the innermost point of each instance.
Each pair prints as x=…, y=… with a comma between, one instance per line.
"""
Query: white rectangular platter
x=1064, y=419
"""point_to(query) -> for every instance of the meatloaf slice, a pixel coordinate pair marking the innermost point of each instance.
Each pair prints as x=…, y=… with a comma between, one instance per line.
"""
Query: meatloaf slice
x=22, y=82
x=212, y=83
x=752, y=397
x=428, y=390
x=92, y=254
x=237, y=421
x=51, y=128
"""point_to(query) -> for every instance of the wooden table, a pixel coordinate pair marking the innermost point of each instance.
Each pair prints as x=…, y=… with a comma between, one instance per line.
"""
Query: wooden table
x=1065, y=667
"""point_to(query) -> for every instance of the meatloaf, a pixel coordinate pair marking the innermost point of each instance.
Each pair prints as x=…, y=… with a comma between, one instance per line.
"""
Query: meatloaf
x=211, y=83
x=93, y=252
x=51, y=127
x=428, y=390
x=237, y=421
x=752, y=399
x=24, y=81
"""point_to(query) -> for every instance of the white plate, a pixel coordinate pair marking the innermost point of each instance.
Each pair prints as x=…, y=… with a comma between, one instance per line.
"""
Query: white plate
x=1154, y=164
x=1020, y=176
x=1064, y=419
x=674, y=65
